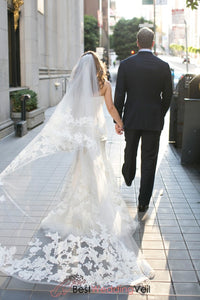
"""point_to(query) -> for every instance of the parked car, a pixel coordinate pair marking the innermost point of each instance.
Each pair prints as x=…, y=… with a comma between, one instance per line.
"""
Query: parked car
x=177, y=77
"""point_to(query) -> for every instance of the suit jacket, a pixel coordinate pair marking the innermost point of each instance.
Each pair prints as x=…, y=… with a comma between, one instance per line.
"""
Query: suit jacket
x=143, y=91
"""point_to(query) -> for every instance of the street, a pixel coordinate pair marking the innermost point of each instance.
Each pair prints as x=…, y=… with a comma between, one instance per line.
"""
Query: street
x=175, y=63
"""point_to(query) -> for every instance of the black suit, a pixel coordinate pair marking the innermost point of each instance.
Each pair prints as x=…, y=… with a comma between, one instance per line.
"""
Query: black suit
x=142, y=97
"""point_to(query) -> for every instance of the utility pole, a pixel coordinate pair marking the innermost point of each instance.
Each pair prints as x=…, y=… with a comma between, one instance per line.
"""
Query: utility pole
x=186, y=45
x=100, y=27
x=154, y=23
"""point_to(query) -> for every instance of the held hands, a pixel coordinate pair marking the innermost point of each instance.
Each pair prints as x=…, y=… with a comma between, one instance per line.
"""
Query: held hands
x=119, y=129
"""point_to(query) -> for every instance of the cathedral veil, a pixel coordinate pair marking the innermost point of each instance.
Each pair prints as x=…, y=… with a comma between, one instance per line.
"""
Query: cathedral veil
x=61, y=213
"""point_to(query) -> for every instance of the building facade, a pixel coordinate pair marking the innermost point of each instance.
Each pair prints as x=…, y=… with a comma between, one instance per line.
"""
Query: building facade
x=41, y=41
x=100, y=10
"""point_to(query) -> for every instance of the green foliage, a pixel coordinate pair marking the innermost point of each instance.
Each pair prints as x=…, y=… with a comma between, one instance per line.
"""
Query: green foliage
x=91, y=33
x=179, y=49
x=193, y=4
x=111, y=41
x=125, y=36
x=31, y=103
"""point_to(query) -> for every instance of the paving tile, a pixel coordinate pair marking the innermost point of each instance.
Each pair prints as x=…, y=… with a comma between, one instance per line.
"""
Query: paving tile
x=150, y=229
x=15, y=295
x=193, y=229
x=151, y=237
x=179, y=210
x=168, y=223
x=195, y=254
x=4, y=281
x=161, y=216
x=174, y=245
x=185, y=216
x=152, y=245
x=184, y=276
x=183, y=297
x=42, y=296
x=151, y=254
x=193, y=245
x=132, y=297
x=192, y=237
x=198, y=275
x=43, y=287
x=161, y=288
x=102, y=296
x=177, y=254
x=187, y=288
x=184, y=205
x=162, y=275
x=163, y=204
x=190, y=223
x=194, y=205
x=178, y=264
x=158, y=264
x=151, y=297
x=196, y=263
x=170, y=229
x=165, y=210
x=16, y=284
x=172, y=236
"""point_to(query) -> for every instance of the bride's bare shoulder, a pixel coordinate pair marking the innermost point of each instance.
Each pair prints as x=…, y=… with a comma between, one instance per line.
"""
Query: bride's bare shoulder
x=105, y=87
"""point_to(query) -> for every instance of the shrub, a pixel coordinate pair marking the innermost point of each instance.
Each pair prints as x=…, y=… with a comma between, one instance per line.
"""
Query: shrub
x=31, y=103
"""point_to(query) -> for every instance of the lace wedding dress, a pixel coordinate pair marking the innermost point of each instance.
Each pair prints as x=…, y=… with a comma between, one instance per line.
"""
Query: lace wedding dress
x=61, y=209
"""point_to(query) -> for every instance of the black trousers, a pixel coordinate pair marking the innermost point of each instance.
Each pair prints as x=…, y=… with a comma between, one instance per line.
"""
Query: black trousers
x=149, y=154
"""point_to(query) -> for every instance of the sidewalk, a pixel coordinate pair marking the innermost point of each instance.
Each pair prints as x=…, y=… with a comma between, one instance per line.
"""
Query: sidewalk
x=169, y=233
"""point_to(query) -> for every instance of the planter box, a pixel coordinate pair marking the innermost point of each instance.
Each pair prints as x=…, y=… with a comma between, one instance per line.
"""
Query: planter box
x=33, y=118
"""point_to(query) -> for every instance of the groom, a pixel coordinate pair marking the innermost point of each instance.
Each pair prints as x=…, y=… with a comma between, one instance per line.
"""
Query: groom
x=142, y=97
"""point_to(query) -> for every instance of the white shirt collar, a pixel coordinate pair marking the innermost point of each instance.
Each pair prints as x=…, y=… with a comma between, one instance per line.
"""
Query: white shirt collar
x=145, y=49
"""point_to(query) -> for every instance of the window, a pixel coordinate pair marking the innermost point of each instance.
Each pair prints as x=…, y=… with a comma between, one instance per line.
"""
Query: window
x=14, y=51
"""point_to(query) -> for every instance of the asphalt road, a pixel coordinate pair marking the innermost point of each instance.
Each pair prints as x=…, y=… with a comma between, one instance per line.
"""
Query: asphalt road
x=174, y=63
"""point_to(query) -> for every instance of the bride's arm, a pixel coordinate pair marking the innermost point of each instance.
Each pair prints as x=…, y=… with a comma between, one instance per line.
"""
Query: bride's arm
x=110, y=105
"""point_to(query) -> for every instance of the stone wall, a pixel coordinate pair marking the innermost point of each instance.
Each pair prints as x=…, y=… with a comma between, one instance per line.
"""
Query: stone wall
x=50, y=45
x=60, y=40
x=6, y=125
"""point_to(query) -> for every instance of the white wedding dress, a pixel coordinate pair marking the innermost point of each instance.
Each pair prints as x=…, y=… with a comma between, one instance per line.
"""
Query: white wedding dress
x=84, y=228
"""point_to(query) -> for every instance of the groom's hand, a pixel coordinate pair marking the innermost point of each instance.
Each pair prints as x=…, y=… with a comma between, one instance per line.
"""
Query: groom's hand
x=118, y=129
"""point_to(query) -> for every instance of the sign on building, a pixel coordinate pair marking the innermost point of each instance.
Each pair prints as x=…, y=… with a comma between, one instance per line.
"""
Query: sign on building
x=178, y=16
x=161, y=2
x=178, y=33
x=157, y=2
x=147, y=2
x=146, y=25
x=100, y=18
x=99, y=52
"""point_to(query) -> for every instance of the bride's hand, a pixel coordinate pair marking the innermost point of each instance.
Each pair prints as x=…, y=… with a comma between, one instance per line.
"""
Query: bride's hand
x=119, y=129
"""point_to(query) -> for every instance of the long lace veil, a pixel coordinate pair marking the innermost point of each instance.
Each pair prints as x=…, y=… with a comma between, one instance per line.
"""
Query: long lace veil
x=72, y=126
x=60, y=211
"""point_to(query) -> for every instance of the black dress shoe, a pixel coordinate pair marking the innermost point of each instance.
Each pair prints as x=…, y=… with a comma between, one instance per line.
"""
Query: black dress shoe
x=143, y=208
x=128, y=182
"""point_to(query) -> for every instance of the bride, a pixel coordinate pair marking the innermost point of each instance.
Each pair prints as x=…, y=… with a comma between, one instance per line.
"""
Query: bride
x=61, y=212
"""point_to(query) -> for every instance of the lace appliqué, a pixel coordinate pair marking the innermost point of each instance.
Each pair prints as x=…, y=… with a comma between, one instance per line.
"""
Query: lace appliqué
x=100, y=259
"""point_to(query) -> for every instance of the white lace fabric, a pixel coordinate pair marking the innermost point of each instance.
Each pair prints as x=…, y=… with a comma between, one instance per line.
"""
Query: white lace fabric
x=61, y=211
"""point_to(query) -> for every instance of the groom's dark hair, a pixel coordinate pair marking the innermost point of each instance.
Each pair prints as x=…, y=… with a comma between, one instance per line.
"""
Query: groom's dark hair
x=145, y=37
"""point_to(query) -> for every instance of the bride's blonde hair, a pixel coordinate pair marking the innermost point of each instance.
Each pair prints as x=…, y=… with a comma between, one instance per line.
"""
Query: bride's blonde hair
x=100, y=67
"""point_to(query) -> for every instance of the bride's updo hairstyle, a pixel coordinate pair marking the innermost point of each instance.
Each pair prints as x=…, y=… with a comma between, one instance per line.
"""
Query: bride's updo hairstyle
x=100, y=67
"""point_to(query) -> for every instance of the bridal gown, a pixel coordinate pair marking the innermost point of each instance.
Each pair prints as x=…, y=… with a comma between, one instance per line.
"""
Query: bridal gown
x=81, y=227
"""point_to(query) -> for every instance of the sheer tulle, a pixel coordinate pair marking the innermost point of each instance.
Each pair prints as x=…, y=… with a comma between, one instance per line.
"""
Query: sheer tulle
x=60, y=207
